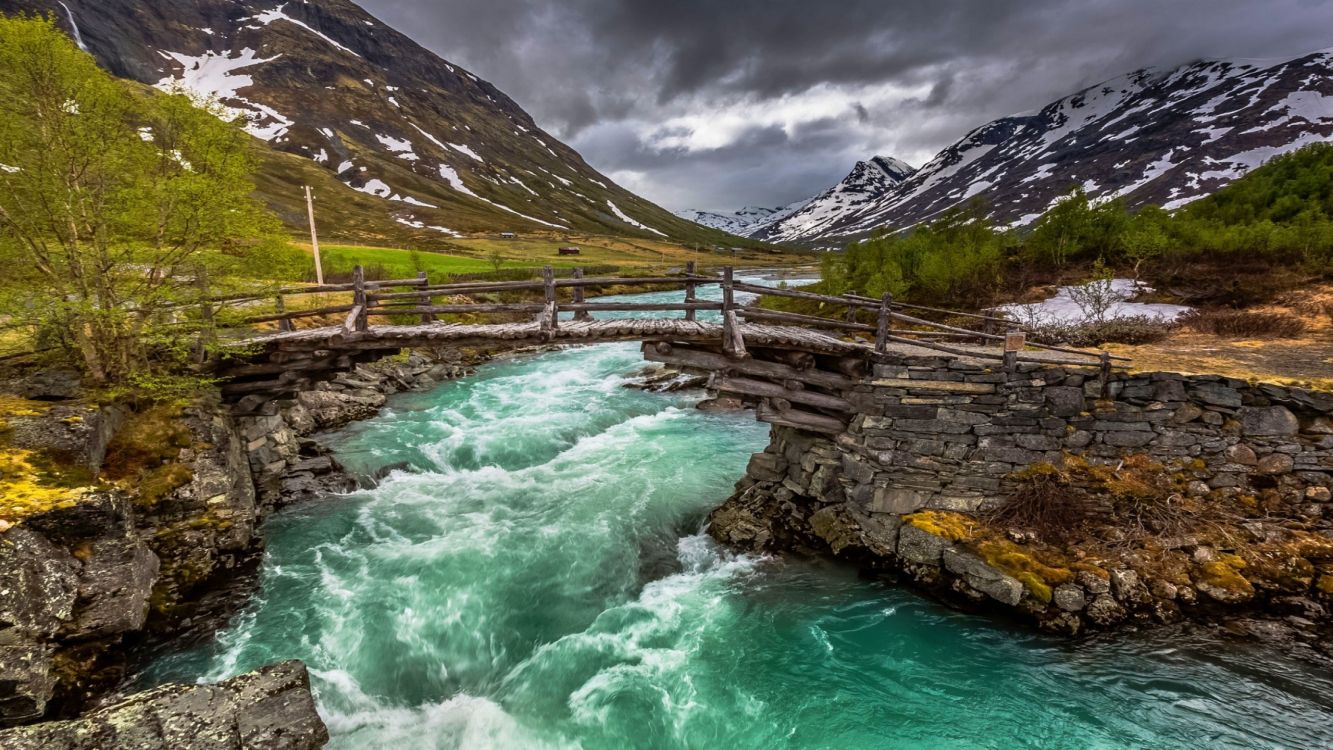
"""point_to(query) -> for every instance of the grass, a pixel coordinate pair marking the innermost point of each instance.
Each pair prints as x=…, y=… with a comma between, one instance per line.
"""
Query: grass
x=1244, y=323
x=400, y=264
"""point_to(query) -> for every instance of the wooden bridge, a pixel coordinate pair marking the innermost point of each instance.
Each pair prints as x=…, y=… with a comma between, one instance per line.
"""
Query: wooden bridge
x=798, y=367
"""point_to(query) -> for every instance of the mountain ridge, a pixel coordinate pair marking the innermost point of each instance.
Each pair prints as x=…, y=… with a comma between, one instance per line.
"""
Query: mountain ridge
x=1163, y=136
x=442, y=151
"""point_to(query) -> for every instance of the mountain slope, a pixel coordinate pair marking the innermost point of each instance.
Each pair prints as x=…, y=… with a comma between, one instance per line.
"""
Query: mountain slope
x=740, y=222
x=868, y=182
x=1164, y=137
x=439, y=150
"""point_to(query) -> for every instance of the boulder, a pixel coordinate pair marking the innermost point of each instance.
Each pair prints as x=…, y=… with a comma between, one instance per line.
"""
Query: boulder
x=1271, y=420
x=1069, y=597
x=270, y=708
x=920, y=546
x=1276, y=463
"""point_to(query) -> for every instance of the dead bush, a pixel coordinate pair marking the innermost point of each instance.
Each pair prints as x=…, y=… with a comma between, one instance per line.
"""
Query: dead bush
x=1244, y=323
x=1138, y=329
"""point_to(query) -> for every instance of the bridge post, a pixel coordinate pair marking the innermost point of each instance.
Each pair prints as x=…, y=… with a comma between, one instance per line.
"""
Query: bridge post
x=579, y=298
x=362, y=322
x=424, y=299
x=885, y=328
x=851, y=309
x=1014, y=341
x=689, y=289
x=551, y=315
x=284, y=324
x=733, y=341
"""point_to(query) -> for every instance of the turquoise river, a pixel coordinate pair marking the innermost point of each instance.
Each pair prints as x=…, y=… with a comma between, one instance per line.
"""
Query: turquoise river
x=539, y=579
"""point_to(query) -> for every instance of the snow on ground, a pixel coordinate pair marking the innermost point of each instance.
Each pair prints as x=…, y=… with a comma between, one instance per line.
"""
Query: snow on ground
x=269, y=16
x=211, y=77
x=379, y=189
x=450, y=175
x=1065, y=307
x=460, y=148
x=417, y=224
x=625, y=218
x=400, y=147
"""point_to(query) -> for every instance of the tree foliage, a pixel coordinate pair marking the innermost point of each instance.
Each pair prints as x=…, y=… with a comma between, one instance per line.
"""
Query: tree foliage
x=119, y=209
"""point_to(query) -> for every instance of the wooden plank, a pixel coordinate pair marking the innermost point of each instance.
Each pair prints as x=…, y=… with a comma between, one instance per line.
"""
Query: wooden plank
x=793, y=294
x=642, y=306
x=765, y=389
x=527, y=308
x=799, y=419
x=756, y=313
x=698, y=359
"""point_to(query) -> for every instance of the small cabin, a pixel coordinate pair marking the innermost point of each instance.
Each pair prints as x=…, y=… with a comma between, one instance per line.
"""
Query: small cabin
x=569, y=251
x=507, y=235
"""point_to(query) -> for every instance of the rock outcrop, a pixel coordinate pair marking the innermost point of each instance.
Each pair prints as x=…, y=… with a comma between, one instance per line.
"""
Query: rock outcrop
x=270, y=708
x=155, y=532
x=1073, y=502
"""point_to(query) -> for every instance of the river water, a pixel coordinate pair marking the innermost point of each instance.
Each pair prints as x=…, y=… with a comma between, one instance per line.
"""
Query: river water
x=540, y=579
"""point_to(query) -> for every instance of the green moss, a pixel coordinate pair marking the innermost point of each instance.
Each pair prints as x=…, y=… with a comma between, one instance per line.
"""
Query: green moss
x=1325, y=584
x=955, y=527
x=1039, y=570
x=1224, y=573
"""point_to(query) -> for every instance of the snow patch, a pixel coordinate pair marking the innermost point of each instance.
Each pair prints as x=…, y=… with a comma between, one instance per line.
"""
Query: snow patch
x=625, y=218
x=211, y=77
x=1063, y=309
x=269, y=16
x=460, y=148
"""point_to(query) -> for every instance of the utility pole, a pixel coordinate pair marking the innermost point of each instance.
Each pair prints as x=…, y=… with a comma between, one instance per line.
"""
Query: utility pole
x=314, y=236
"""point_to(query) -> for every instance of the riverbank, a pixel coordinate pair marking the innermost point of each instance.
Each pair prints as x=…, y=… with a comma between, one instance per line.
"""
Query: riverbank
x=1059, y=499
x=127, y=531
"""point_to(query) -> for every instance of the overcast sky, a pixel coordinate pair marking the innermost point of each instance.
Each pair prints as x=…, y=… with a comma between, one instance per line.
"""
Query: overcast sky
x=717, y=104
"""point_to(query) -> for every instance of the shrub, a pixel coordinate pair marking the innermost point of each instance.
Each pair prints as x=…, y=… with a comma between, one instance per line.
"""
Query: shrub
x=1244, y=323
x=1138, y=329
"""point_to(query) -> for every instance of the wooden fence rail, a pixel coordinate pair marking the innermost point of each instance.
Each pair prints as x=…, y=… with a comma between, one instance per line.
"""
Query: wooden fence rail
x=378, y=299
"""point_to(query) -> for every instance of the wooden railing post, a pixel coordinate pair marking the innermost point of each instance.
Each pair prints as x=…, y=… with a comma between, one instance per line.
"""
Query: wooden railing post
x=284, y=323
x=733, y=341
x=885, y=328
x=1014, y=341
x=689, y=289
x=424, y=299
x=551, y=313
x=851, y=309
x=1106, y=374
x=579, y=298
x=362, y=321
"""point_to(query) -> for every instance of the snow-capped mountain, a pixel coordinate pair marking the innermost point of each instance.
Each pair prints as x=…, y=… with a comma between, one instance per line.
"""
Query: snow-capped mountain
x=740, y=222
x=432, y=149
x=1163, y=137
x=868, y=182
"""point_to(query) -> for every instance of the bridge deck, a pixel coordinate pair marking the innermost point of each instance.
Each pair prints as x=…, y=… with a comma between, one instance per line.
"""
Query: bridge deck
x=581, y=332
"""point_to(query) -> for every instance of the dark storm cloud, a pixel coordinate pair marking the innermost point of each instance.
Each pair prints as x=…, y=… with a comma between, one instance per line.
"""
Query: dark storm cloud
x=722, y=103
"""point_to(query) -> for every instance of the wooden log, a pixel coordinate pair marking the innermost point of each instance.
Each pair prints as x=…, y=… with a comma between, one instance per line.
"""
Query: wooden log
x=285, y=322
x=733, y=341
x=690, y=288
x=852, y=367
x=579, y=314
x=359, y=301
x=975, y=316
x=798, y=359
x=332, y=310
x=423, y=300
x=643, y=306
x=765, y=389
x=662, y=347
x=811, y=296
x=885, y=327
x=354, y=320
x=755, y=313
x=524, y=308
x=994, y=337
x=706, y=361
x=799, y=419
x=551, y=314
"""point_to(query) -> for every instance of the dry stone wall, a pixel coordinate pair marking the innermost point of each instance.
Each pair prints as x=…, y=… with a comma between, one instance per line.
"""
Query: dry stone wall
x=937, y=438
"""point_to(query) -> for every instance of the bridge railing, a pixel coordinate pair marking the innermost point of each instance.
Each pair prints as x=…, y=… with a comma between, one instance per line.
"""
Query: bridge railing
x=893, y=322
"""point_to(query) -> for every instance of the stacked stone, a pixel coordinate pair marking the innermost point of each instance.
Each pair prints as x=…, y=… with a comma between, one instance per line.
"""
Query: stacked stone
x=946, y=434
